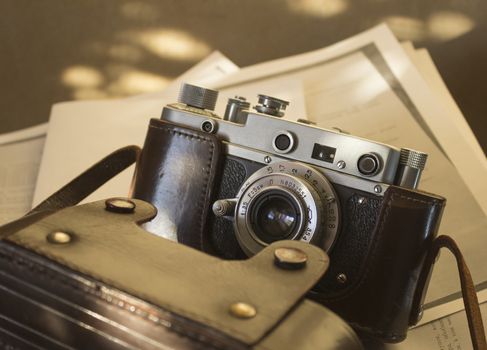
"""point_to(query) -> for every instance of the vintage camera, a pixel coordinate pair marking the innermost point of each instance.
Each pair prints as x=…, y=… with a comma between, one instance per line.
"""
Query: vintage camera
x=232, y=185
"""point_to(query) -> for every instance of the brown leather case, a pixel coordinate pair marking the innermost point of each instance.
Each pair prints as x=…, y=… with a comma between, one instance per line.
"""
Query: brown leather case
x=177, y=175
x=179, y=171
x=116, y=286
x=382, y=302
x=54, y=296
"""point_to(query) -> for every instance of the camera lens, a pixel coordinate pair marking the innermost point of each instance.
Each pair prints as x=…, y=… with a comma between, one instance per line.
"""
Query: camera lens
x=286, y=201
x=275, y=216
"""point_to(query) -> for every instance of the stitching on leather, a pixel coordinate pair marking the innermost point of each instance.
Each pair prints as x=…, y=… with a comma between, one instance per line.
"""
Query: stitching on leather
x=187, y=134
x=204, y=193
x=46, y=272
x=206, y=178
x=380, y=233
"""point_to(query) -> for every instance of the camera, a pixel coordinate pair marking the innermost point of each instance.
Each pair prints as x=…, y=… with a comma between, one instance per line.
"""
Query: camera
x=232, y=185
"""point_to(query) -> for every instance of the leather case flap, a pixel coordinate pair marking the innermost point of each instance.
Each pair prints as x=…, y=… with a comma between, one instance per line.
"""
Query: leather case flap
x=110, y=247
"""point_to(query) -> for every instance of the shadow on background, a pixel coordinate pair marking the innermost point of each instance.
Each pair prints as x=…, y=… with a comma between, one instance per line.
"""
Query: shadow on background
x=55, y=50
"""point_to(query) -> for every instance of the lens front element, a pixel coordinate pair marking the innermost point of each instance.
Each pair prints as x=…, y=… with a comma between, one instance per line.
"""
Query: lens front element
x=276, y=215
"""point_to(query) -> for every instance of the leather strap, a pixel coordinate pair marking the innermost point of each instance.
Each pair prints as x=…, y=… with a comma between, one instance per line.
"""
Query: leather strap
x=90, y=180
x=77, y=189
x=470, y=300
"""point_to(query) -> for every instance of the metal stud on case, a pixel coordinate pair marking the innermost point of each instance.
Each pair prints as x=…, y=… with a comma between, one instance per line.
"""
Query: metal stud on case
x=342, y=278
x=59, y=237
x=290, y=258
x=120, y=205
x=242, y=310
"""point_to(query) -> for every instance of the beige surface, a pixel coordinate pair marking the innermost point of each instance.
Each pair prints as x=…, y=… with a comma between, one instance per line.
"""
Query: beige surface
x=126, y=46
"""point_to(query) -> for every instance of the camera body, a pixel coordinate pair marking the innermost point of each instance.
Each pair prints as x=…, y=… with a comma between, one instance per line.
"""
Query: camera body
x=231, y=186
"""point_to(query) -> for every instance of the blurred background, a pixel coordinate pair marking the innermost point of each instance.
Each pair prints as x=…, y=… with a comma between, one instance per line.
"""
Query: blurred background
x=57, y=50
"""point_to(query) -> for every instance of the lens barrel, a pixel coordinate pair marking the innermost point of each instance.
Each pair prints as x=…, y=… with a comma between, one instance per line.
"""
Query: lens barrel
x=286, y=200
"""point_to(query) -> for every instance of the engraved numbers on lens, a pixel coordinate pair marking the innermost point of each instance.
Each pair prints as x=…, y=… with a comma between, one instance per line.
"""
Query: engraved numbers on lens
x=254, y=191
x=293, y=186
x=243, y=208
x=310, y=215
x=332, y=217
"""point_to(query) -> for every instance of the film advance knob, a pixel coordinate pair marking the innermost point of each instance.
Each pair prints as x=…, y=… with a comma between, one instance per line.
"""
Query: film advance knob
x=196, y=96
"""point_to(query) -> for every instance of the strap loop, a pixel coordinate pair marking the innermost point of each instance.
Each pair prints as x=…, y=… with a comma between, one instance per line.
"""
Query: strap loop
x=77, y=189
x=90, y=180
x=470, y=300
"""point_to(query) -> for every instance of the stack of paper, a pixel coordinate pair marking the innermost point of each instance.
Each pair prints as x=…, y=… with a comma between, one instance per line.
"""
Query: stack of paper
x=371, y=86
x=20, y=153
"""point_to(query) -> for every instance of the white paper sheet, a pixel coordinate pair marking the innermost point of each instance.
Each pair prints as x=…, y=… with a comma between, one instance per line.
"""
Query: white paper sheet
x=368, y=86
x=20, y=155
x=448, y=308
x=425, y=65
x=206, y=73
x=453, y=127
x=446, y=333
x=441, y=122
x=81, y=133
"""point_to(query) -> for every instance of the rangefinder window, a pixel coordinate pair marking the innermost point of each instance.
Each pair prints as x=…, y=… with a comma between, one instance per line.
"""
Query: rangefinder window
x=324, y=153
